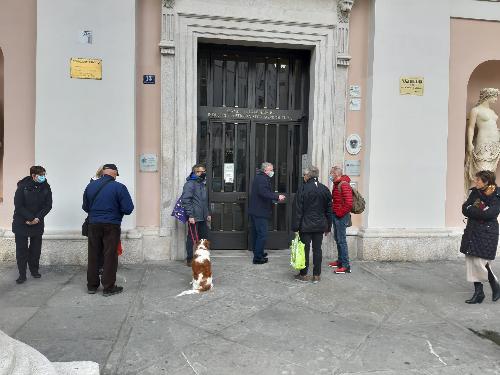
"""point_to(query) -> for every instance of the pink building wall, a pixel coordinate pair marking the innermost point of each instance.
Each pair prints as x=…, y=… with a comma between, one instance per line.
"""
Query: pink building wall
x=148, y=110
x=1, y=125
x=358, y=73
x=473, y=42
x=19, y=51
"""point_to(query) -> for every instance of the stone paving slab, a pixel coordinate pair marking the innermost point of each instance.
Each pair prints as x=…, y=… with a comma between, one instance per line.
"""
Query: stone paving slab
x=383, y=319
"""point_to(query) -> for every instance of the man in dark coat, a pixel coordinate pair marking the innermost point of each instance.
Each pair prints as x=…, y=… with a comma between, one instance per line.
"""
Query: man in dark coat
x=195, y=201
x=260, y=209
x=312, y=219
x=106, y=201
x=32, y=202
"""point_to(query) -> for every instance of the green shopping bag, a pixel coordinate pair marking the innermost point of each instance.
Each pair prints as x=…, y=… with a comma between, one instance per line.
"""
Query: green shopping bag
x=297, y=254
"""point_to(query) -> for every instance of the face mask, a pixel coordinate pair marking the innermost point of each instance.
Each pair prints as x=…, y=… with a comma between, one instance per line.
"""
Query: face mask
x=330, y=178
x=40, y=179
x=270, y=173
x=203, y=176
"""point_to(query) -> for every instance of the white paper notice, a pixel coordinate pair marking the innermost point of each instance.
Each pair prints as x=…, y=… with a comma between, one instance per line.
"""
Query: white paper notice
x=228, y=173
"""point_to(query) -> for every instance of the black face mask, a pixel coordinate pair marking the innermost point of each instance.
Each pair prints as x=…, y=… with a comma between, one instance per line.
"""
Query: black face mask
x=203, y=176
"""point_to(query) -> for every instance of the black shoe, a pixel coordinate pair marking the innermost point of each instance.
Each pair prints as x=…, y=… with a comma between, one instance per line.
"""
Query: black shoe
x=495, y=289
x=260, y=261
x=36, y=275
x=92, y=291
x=265, y=255
x=112, y=291
x=21, y=279
x=478, y=296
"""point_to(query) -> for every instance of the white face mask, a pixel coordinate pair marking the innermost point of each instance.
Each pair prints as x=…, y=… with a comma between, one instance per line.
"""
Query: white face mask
x=270, y=173
x=330, y=178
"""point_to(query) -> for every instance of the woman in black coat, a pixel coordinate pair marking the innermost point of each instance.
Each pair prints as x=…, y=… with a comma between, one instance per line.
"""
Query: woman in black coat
x=312, y=219
x=32, y=202
x=480, y=239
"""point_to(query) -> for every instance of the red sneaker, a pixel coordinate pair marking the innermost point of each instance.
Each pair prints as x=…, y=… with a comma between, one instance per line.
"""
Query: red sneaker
x=334, y=264
x=343, y=270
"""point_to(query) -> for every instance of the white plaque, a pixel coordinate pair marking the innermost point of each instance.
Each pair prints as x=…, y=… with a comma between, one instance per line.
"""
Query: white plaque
x=305, y=161
x=148, y=163
x=355, y=104
x=228, y=173
x=353, y=144
x=355, y=91
x=352, y=167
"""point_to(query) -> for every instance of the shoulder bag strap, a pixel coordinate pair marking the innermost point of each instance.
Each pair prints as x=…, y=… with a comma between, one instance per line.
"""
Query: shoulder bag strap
x=97, y=193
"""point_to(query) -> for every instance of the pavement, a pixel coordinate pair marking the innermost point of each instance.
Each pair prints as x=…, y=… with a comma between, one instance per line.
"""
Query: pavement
x=382, y=319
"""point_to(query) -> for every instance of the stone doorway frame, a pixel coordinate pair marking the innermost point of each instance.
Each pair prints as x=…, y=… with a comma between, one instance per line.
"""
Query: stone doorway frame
x=179, y=46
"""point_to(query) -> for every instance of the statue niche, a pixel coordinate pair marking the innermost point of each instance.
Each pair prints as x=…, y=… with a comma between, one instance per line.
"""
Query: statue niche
x=482, y=137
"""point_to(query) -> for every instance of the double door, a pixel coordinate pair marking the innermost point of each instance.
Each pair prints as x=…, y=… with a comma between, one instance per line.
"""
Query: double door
x=235, y=151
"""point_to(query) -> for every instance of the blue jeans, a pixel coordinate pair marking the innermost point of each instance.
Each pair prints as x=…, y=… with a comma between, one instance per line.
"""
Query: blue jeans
x=259, y=236
x=339, y=233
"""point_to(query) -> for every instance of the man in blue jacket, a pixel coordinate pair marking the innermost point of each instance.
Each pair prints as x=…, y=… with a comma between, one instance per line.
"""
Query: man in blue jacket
x=106, y=201
x=260, y=209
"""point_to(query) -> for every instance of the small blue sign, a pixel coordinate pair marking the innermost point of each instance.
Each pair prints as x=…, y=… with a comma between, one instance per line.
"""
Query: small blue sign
x=148, y=79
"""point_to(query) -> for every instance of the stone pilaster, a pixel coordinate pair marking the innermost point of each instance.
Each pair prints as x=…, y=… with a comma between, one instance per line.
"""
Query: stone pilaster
x=170, y=230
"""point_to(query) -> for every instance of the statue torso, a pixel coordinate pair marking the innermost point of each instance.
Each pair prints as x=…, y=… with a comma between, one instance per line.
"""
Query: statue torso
x=486, y=123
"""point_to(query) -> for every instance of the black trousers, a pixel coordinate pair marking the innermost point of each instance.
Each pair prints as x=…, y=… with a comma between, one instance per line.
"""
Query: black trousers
x=28, y=254
x=103, y=239
x=316, y=239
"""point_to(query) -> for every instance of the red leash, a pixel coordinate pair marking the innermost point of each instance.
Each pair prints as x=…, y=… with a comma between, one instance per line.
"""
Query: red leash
x=191, y=233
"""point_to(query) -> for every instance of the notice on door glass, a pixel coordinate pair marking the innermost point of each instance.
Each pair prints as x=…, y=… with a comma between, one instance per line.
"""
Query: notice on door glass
x=229, y=173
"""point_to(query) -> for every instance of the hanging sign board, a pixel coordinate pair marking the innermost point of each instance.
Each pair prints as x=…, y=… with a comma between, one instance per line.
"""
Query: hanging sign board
x=85, y=68
x=228, y=173
x=411, y=86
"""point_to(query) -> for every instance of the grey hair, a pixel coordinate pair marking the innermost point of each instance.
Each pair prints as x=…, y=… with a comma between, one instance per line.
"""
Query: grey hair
x=312, y=172
x=264, y=165
x=338, y=169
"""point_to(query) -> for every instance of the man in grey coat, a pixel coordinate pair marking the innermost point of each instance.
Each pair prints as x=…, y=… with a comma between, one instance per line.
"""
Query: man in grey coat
x=195, y=201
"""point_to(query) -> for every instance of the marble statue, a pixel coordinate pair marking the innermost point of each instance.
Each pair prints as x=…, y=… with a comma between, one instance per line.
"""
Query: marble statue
x=483, y=149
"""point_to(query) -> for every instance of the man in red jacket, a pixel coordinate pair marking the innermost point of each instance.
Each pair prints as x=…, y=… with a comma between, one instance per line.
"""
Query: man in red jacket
x=341, y=215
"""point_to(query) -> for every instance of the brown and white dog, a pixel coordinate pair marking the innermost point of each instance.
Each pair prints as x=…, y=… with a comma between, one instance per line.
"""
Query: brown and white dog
x=202, y=269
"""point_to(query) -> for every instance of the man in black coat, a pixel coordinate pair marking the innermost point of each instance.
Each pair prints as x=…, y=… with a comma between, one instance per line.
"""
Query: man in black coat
x=260, y=209
x=312, y=219
x=195, y=201
x=32, y=202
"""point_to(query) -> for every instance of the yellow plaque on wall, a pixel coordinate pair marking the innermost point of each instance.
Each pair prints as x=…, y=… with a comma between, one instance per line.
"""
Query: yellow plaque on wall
x=85, y=68
x=411, y=86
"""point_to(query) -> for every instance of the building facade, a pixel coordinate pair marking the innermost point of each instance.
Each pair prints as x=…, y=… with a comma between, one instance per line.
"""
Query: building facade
x=382, y=87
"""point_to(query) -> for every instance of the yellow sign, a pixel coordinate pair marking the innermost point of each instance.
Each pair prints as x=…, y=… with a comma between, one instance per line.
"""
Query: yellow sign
x=411, y=86
x=85, y=68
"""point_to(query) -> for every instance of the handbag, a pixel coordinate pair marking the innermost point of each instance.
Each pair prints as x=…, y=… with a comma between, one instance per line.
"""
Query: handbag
x=85, y=225
x=179, y=212
x=297, y=253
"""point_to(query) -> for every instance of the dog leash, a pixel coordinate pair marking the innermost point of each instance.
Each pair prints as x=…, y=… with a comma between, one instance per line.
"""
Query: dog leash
x=191, y=232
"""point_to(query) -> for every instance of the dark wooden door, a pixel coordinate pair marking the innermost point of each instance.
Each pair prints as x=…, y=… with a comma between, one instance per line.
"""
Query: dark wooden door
x=252, y=108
